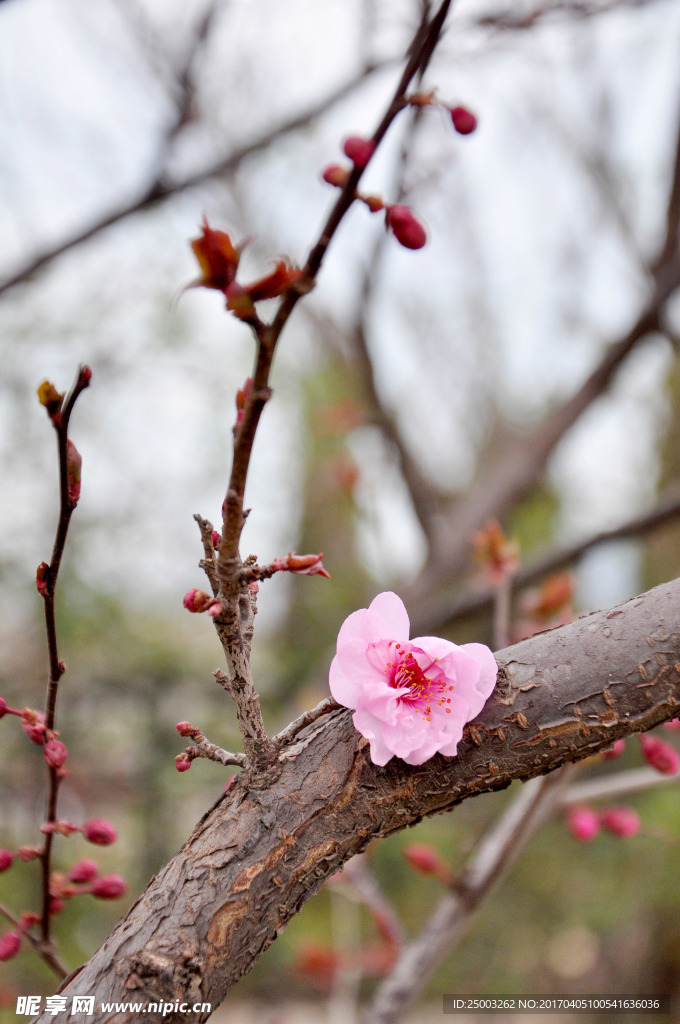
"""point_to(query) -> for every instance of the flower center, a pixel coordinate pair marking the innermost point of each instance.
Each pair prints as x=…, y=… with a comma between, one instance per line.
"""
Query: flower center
x=405, y=673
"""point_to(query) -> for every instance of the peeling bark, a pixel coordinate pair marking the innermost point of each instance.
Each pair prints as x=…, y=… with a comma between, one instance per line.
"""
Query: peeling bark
x=259, y=854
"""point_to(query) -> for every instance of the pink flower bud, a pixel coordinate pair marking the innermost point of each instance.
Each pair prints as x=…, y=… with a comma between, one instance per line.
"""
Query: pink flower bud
x=182, y=763
x=464, y=121
x=621, y=821
x=99, y=831
x=359, y=150
x=110, y=887
x=216, y=538
x=185, y=729
x=74, y=463
x=4, y=707
x=9, y=945
x=55, y=753
x=583, y=823
x=83, y=871
x=56, y=905
x=33, y=724
x=27, y=853
x=198, y=601
x=616, y=750
x=660, y=755
x=301, y=565
x=407, y=230
x=425, y=859
x=6, y=859
x=336, y=175
x=42, y=579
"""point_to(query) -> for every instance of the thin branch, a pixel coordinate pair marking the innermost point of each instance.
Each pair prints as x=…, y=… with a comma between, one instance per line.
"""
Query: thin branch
x=615, y=785
x=44, y=950
x=286, y=735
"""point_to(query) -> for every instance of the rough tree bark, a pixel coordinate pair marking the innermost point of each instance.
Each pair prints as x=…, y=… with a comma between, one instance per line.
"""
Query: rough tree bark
x=258, y=855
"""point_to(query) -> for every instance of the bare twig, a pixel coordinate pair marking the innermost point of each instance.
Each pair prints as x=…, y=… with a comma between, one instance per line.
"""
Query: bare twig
x=324, y=707
x=44, y=949
x=60, y=422
x=615, y=785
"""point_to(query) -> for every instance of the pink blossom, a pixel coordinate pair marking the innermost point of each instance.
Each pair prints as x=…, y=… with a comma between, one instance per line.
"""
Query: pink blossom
x=583, y=823
x=411, y=698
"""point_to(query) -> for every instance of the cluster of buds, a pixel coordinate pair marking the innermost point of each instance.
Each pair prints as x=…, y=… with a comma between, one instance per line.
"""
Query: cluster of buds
x=219, y=259
x=33, y=724
x=198, y=601
x=584, y=823
x=83, y=879
x=399, y=218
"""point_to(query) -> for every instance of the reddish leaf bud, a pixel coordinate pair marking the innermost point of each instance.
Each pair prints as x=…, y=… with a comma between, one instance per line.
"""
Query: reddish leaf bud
x=110, y=887
x=218, y=258
x=406, y=228
x=621, y=821
x=83, y=871
x=336, y=175
x=583, y=823
x=50, y=398
x=374, y=203
x=9, y=945
x=84, y=376
x=497, y=554
x=6, y=859
x=42, y=576
x=660, y=755
x=464, y=121
x=282, y=277
x=99, y=831
x=73, y=465
x=359, y=150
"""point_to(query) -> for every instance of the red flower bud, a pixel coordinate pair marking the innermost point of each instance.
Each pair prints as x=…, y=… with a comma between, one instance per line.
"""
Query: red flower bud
x=99, y=831
x=621, y=821
x=198, y=601
x=182, y=763
x=83, y=871
x=359, y=150
x=55, y=753
x=464, y=121
x=6, y=860
x=9, y=945
x=583, y=823
x=110, y=887
x=407, y=229
x=73, y=465
x=4, y=707
x=216, y=538
x=660, y=755
x=185, y=729
x=336, y=175
x=33, y=724
x=56, y=905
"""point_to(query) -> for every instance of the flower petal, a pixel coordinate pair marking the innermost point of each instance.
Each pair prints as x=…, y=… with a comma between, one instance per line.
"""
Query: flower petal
x=386, y=618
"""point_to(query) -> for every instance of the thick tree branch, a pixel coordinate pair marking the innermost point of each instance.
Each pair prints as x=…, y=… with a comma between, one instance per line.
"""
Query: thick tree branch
x=258, y=855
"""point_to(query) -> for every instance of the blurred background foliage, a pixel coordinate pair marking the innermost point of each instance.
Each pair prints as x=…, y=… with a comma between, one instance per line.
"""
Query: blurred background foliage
x=542, y=226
